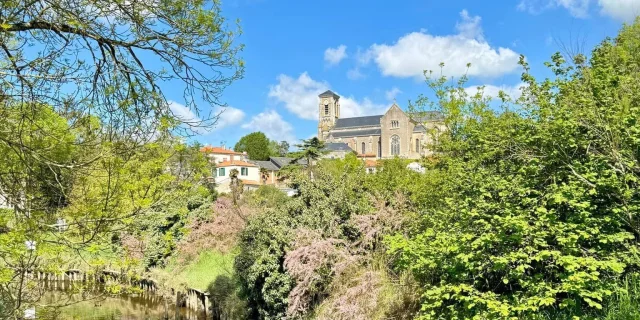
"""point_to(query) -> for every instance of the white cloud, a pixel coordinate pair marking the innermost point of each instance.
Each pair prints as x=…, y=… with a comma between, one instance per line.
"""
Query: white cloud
x=418, y=51
x=391, y=94
x=333, y=56
x=493, y=91
x=577, y=8
x=623, y=10
x=300, y=96
x=183, y=113
x=354, y=74
x=351, y=107
x=226, y=117
x=229, y=116
x=470, y=27
x=272, y=125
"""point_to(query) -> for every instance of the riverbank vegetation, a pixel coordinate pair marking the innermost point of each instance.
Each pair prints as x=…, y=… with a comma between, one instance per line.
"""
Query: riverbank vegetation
x=527, y=208
x=91, y=148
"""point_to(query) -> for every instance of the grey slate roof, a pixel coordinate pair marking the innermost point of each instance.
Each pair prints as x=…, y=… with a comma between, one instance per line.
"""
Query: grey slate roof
x=329, y=93
x=276, y=163
x=267, y=165
x=283, y=161
x=419, y=128
x=337, y=146
x=356, y=133
x=358, y=122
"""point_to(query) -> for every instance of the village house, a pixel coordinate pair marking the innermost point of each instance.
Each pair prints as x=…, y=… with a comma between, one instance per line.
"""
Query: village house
x=222, y=154
x=226, y=160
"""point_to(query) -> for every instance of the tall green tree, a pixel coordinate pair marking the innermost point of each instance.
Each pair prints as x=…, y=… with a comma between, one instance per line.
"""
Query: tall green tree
x=310, y=150
x=256, y=145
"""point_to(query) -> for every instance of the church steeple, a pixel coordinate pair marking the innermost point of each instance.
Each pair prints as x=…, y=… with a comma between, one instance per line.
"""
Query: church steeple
x=328, y=113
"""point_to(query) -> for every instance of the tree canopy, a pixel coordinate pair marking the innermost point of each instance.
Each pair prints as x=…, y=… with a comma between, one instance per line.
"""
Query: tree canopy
x=87, y=134
x=256, y=145
x=111, y=59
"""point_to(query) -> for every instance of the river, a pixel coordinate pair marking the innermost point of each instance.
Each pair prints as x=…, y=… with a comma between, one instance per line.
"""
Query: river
x=92, y=305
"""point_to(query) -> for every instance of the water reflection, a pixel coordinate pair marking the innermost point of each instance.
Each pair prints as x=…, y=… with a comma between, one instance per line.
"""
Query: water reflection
x=94, y=305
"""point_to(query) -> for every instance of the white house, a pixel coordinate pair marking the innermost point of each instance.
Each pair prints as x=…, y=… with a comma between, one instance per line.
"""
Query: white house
x=222, y=154
x=249, y=173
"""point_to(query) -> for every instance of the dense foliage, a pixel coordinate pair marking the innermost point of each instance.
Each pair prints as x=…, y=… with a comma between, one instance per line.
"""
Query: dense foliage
x=539, y=213
x=291, y=254
x=111, y=59
x=527, y=210
x=257, y=146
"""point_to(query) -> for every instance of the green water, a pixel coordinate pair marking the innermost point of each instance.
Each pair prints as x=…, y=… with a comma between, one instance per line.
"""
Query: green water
x=61, y=303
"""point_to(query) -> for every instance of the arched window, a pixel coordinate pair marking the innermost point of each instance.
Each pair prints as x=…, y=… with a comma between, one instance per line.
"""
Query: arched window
x=326, y=109
x=395, y=145
x=417, y=145
x=363, y=148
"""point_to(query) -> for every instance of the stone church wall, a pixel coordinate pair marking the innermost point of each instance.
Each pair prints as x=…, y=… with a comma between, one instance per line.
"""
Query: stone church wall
x=404, y=130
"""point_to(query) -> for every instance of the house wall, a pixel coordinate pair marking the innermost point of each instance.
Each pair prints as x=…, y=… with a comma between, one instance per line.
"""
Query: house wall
x=219, y=157
x=222, y=182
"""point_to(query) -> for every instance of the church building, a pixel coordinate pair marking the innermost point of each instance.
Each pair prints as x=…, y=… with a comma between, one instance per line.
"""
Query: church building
x=392, y=134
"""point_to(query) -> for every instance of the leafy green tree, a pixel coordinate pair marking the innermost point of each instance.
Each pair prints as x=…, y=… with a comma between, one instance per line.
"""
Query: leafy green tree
x=310, y=150
x=85, y=128
x=119, y=53
x=536, y=209
x=256, y=145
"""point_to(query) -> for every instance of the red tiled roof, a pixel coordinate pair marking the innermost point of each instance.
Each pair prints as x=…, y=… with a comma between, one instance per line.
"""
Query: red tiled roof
x=367, y=155
x=237, y=163
x=219, y=150
x=370, y=163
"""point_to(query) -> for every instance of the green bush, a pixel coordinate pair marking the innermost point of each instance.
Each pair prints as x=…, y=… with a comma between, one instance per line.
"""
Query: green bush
x=537, y=209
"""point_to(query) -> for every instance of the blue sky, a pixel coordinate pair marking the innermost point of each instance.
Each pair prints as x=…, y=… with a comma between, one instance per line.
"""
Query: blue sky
x=373, y=52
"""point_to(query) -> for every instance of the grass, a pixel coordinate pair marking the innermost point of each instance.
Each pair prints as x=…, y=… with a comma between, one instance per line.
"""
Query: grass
x=203, y=270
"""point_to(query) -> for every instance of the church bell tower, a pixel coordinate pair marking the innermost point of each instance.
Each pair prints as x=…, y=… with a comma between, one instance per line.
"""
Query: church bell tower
x=328, y=113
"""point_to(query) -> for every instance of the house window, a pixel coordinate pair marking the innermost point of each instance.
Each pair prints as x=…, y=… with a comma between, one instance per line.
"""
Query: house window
x=363, y=148
x=417, y=145
x=395, y=124
x=379, y=149
x=221, y=172
x=326, y=109
x=395, y=145
x=244, y=171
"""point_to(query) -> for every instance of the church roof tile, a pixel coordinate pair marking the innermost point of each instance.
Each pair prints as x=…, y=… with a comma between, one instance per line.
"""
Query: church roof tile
x=358, y=122
x=356, y=133
x=329, y=93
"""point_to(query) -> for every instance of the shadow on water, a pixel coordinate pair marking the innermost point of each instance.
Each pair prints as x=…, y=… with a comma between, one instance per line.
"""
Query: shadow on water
x=73, y=302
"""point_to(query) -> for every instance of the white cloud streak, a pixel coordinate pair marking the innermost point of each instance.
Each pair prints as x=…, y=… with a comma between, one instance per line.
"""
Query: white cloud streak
x=272, y=125
x=415, y=52
x=333, y=56
x=300, y=97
